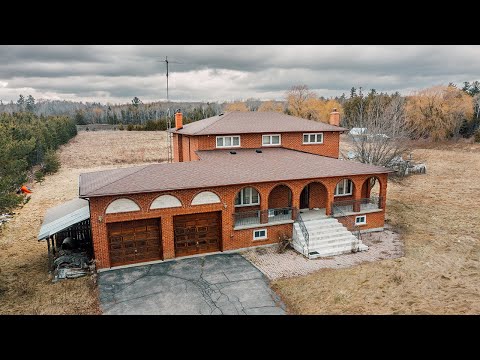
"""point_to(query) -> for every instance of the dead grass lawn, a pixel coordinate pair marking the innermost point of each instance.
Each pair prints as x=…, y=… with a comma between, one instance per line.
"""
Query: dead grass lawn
x=439, y=215
x=25, y=287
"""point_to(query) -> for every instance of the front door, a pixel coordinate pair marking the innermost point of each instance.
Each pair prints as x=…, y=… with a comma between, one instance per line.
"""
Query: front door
x=304, y=196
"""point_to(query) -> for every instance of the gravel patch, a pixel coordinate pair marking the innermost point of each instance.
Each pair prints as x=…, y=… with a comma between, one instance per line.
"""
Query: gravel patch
x=381, y=245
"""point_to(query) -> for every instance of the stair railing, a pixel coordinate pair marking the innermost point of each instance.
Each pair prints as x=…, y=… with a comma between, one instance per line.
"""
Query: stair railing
x=351, y=225
x=304, y=230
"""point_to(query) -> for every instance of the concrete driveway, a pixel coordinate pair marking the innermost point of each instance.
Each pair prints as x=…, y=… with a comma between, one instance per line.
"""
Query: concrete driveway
x=207, y=285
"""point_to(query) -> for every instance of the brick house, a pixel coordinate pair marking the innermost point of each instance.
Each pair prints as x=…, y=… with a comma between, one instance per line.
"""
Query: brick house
x=238, y=180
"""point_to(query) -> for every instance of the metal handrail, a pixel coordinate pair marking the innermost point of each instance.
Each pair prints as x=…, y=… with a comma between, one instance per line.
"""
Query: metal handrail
x=355, y=228
x=254, y=217
x=375, y=200
x=304, y=230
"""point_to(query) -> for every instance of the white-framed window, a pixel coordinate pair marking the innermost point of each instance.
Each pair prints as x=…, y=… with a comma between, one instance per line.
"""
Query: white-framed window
x=246, y=197
x=271, y=140
x=228, y=141
x=361, y=220
x=259, y=234
x=313, y=138
x=344, y=188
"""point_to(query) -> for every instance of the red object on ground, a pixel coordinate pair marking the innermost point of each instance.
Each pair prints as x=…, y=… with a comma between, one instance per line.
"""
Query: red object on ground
x=25, y=190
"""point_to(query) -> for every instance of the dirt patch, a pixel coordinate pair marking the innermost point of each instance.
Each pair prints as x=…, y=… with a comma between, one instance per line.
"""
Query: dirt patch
x=25, y=285
x=439, y=215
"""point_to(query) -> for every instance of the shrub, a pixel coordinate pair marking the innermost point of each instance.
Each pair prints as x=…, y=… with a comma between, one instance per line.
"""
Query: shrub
x=476, y=137
x=51, y=162
x=130, y=127
x=39, y=176
x=120, y=127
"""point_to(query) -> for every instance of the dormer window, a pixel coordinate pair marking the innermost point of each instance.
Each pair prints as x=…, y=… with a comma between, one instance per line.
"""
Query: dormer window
x=228, y=141
x=271, y=140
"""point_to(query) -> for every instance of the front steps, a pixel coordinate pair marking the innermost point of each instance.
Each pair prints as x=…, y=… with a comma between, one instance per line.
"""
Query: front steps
x=327, y=237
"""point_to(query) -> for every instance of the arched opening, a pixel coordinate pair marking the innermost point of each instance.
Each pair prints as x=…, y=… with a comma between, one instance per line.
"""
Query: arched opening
x=314, y=196
x=279, y=204
x=344, y=195
x=247, y=207
x=371, y=194
x=280, y=197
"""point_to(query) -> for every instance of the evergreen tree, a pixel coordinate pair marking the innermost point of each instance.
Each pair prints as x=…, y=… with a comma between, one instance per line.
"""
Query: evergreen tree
x=30, y=103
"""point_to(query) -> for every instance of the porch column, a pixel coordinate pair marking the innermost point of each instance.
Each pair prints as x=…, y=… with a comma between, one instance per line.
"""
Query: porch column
x=357, y=195
x=264, y=206
x=383, y=192
x=328, y=206
x=295, y=204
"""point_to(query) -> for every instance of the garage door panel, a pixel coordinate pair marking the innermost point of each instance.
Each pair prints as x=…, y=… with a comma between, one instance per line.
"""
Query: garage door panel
x=134, y=241
x=197, y=233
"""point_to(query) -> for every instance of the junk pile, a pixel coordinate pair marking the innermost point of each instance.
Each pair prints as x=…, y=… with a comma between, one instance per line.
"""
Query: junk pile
x=4, y=218
x=71, y=263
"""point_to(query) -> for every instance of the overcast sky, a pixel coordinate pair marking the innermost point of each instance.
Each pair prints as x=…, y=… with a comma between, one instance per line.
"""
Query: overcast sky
x=224, y=73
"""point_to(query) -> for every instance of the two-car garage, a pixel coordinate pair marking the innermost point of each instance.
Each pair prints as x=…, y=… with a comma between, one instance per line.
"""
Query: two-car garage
x=139, y=241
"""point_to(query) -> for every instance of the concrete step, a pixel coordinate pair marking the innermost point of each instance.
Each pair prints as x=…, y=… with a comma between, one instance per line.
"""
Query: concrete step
x=323, y=241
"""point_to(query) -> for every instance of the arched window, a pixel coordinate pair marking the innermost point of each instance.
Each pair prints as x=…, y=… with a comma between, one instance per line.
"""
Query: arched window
x=247, y=197
x=165, y=201
x=122, y=205
x=205, y=197
x=344, y=188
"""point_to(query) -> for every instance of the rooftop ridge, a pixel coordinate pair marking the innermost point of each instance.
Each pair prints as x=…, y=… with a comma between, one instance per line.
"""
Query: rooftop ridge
x=214, y=122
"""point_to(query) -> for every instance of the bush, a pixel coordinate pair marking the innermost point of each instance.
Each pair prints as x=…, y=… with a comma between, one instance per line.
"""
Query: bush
x=39, y=176
x=120, y=127
x=51, y=162
x=9, y=201
x=476, y=137
x=130, y=127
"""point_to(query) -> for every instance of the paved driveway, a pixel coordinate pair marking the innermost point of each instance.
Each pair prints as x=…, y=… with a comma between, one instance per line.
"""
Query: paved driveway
x=213, y=284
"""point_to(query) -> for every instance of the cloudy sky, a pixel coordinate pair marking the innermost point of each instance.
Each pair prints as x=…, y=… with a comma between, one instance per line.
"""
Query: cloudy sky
x=224, y=73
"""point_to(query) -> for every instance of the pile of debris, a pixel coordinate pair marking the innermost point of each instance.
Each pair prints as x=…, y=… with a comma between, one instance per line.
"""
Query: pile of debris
x=72, y=264
x=4, y=218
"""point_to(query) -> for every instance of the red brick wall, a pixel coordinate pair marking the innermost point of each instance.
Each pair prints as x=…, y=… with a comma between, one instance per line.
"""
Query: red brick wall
x=289, y=140
x=318, y=196
x=232, y=239
x=374, y=220
x=280, y=197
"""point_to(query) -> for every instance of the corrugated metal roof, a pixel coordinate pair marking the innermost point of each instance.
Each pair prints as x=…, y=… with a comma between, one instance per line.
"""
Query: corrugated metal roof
x=63, y=216
x=237, y=122
x=220, y=168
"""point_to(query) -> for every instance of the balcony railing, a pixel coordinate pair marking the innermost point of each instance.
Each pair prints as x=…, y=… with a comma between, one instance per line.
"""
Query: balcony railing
x=262, y=216
x=347, y=206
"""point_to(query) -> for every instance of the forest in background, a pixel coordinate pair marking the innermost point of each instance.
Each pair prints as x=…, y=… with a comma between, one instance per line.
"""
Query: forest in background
x=438, y=112
x=27, y=146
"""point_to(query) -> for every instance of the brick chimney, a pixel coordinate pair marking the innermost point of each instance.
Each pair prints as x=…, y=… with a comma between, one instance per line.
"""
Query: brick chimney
x=334, y=118
x=178, y=120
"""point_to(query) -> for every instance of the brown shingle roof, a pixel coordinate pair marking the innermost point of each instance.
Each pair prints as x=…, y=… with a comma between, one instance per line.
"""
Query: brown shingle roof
x=237, y=122
x=219, y=168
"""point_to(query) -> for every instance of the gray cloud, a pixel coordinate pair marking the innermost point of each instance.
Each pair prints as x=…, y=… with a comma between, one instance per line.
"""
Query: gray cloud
x=118, y=73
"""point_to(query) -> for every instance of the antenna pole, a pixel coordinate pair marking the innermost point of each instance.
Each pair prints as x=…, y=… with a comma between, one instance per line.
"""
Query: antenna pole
x=169, y=123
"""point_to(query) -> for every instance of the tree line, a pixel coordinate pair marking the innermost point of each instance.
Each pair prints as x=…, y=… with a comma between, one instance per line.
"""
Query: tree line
x=27, y=142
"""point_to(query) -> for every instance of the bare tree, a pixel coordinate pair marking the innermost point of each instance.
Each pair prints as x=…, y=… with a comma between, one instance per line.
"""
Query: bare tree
x=297, y=100
x=385, y=136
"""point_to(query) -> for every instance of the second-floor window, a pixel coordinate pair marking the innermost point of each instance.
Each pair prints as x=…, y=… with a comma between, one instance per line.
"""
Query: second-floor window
x=271, y=140
x=228, y=141
x=313, y=138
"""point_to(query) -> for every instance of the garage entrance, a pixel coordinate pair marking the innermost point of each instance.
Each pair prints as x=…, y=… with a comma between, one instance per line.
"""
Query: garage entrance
x=197, y=233
x=135, y=241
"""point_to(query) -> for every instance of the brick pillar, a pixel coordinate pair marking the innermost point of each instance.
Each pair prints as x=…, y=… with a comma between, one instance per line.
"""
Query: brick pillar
x=264, y=206
x=357, y=195
x=328, y=206
x=383, y=192
x=99, y=237
x=168, y=245
x=295, y=203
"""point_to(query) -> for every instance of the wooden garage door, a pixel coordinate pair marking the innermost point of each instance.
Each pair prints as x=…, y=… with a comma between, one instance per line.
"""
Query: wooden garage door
x=197, y=233
x=134, y=241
